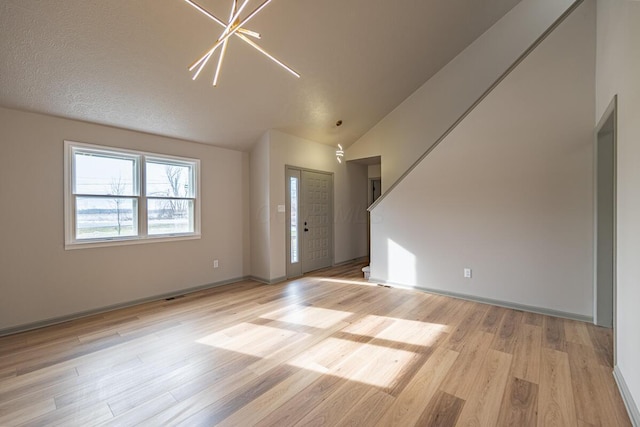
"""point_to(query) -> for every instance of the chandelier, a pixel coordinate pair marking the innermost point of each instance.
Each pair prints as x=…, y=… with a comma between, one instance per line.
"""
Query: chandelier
x=234, y=27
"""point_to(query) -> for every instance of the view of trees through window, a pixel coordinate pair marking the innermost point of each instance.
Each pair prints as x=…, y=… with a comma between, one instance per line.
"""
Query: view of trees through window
x=109, y=188
x=169, y=207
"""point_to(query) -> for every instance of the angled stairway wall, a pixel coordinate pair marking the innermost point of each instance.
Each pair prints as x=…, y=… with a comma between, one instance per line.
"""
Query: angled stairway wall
x=508, y=192
x=409, y=130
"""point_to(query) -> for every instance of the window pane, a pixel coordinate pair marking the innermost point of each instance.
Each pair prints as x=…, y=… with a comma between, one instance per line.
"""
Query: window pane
x=100, y=217
x=168, y=216
x=293, y=184
x=101, y=174
x=169, y=180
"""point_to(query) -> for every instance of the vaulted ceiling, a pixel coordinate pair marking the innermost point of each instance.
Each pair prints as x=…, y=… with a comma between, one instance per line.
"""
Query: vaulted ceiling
x=124, y=63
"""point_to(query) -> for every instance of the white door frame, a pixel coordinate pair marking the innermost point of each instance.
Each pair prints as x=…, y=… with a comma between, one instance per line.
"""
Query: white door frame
x=609, y=114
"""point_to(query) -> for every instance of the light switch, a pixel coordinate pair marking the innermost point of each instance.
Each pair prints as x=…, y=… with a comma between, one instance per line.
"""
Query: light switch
x=281, y=208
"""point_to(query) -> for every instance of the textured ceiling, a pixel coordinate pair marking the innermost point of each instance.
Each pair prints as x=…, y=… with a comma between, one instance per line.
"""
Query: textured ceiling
x=124, y=63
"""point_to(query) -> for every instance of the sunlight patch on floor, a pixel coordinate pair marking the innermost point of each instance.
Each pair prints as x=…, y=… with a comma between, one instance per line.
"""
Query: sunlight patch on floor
x=367, y=363
x=316, y=317
x=256, y=340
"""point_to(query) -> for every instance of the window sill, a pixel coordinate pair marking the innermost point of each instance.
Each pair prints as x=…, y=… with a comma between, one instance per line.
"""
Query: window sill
x=129, y=241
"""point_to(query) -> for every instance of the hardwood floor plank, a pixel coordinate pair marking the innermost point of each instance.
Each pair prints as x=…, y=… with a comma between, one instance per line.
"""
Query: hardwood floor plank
x=199, y=400
x=463, y=374
x=587, y=378
x=408, y=406
x=443, y=411
x=331, y=410
x=24, y=414
x=78, y=414
x=526, y=357
x=139, y=413
x=217, y=411
x=482, y=408
x=466, y=326
x=300, y=405
x=556, y=404
x=576, y=332
x=520, y=404
x=215, y=375
x=611, y=406
x=602, y=342
x=367, y=410
x=533, y=319
x=261, y=407
x=492, y=319
x=507, y=333
x=554, y=333
x=21, y=386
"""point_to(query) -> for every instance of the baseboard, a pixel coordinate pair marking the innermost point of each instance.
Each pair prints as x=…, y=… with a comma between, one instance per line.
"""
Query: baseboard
x=507, y=304
x=632, y=408
x=356, y=260
x=80, y=314
x=268, y=281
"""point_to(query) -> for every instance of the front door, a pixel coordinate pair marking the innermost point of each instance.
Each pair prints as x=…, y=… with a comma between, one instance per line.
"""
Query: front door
x=309, y=221
x=317, y=224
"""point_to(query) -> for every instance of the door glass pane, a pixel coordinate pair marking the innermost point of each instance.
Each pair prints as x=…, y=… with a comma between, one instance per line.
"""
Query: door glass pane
x=293, y=185
x=169, y=216
x=169, y=180
x=102, y=217
x=101, y=174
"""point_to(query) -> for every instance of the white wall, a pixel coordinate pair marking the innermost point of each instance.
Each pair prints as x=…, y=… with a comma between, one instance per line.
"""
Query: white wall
x=350, y=200
x=374, y=171
x=618, y=71
x=509, y=192
x=39, y=280
x=409, y=130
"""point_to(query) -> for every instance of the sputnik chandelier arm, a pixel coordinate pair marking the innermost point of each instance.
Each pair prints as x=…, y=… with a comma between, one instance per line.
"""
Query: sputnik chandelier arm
x=221, y=40
x=220, y=21
x=232, y=18
x=235, y=26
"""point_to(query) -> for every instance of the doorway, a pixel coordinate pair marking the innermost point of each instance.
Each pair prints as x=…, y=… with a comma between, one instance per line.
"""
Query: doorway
x=309, y=227
x=374, y=191
x=605, y=220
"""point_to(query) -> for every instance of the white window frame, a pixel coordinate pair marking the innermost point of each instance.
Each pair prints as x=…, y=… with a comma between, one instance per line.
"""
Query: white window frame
x=140, y=185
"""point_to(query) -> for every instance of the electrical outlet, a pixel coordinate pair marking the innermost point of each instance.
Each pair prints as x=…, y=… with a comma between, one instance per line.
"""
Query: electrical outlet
x=215, y=263
x=467, y=273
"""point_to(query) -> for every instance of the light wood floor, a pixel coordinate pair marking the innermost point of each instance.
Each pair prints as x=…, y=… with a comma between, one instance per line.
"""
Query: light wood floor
x=322, y=350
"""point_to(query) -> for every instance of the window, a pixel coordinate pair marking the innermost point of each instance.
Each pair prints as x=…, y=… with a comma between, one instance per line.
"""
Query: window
x=115, y=196
x=293, y=185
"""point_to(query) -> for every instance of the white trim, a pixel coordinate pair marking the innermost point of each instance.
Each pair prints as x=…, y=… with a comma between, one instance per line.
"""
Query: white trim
x=86, y=244
x=269, y=281
x=632, y=408
x=61, y=319
x=507, y=304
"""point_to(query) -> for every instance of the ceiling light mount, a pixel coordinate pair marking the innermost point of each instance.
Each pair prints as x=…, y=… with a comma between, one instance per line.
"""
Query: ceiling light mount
x=234, y=27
